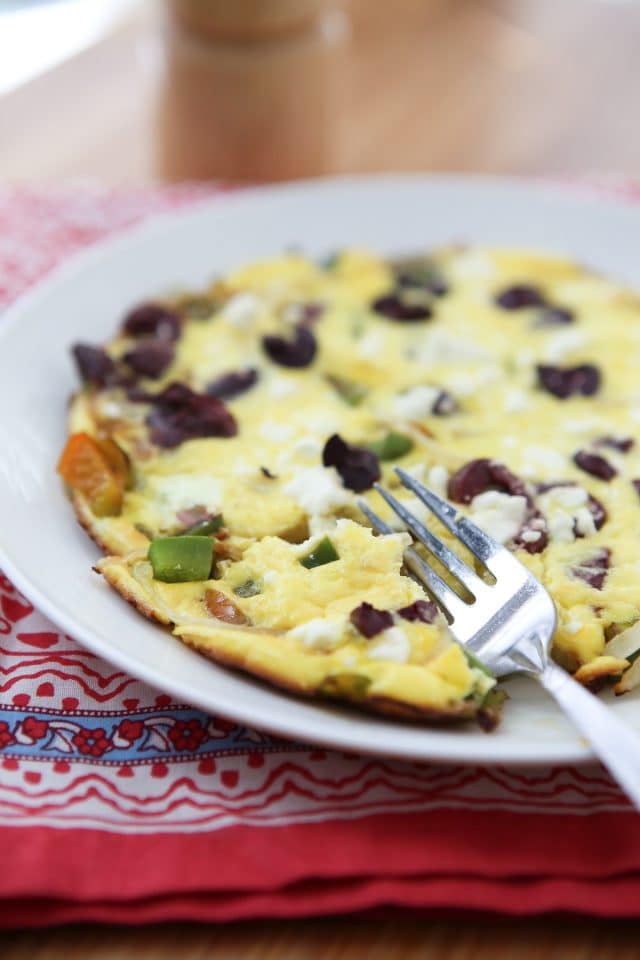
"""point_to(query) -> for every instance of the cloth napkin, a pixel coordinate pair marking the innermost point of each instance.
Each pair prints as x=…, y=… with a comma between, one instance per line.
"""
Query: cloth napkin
x=118, y=805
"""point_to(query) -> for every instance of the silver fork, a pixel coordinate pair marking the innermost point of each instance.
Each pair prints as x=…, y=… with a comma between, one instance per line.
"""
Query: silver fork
x=509, y=625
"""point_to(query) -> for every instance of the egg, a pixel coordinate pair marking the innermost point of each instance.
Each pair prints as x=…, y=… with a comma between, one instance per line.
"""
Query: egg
x=503, y=379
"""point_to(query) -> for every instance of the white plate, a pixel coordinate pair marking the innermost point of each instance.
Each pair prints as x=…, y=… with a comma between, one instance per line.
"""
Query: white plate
x=49, y=557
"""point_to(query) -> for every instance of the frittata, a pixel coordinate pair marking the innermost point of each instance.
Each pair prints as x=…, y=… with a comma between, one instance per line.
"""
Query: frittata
x=221, y=441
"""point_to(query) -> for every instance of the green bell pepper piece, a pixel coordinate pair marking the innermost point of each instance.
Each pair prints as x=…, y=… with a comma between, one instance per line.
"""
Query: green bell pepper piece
x=203, y=528
x=181, y=559
x=392, y=447
x=250, y=588
x=323, y=552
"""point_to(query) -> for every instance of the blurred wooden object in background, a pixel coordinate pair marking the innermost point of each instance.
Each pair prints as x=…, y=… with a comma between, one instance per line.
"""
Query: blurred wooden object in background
x=500, y=86
x=251, y=89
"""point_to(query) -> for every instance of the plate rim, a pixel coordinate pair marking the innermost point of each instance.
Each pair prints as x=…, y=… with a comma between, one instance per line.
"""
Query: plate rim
x=459, y=749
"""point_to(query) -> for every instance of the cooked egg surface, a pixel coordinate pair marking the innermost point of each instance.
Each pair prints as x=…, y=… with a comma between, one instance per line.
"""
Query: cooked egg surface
x=469, y=356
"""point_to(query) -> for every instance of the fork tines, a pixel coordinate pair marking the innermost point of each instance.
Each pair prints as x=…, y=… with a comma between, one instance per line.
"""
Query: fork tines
x=482, y=546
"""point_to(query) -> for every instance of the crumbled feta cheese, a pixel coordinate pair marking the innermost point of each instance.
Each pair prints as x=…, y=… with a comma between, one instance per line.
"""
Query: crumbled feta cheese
x=524, y=358
x=415, y=506
x=547, y=458
x=293, y=312
x=515, y=401
x=560, y=344
x=319, y=634
x=323, y=424
x=570, y=496
x=183, y=490
x=438, y=479
x=585, y=523
x=320, y=524
x=318, y=490
x=391, y=644
x=278, y=432
x=416, y=403
x=473, y=264
x=307, y=447
x=110, y=409
x=241, y=309
x=281, y=387
x=499, y=514
x=584, y=425
x=371, y=345
x=465, y=384
x=565, y=510
x=530, y=536
x=440, y=347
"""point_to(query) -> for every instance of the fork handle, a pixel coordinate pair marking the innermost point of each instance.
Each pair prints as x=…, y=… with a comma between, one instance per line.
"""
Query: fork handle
x=616, y=744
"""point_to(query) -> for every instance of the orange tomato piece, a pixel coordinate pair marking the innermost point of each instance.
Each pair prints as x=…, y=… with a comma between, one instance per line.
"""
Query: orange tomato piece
x=116, y=458
x=86, y=468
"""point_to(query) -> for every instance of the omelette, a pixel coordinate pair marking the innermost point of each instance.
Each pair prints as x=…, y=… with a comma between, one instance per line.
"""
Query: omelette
x=220, y=444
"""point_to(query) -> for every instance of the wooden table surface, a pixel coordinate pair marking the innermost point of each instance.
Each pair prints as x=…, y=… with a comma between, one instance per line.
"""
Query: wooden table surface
x=515, y=86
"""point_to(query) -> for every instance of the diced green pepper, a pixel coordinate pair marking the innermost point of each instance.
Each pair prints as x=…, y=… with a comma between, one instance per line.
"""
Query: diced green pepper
x=203, y=528
x=391, y=447
x=181, y=559
x=473, y=661
x=349, y=391
x=323, y=552
x=250, y=588
x=354, y=686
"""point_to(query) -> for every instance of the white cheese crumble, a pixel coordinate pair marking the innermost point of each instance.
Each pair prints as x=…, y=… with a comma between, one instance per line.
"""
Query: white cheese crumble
x=371, y=345
x=542, y=459
x=465, y=384
x=318, y=490
x=474, y=264
x=391, y=644
x=569, y=496
x=584, y=425
x=241, y=309
x=280, y=387
x=321, y=524
x=111, y=409
x=530, y=536
x=441, y=347
x=585, y=523
x=515, y=401
x=560, y=344
x=499, y=514
x=292, y=312
x=438, y=480
x=278, y=432
x=319, y=634
x=565, y=508
x=416, y=403
x=184, y=490
x=307, y=446
x=524, y=358
x=414, y=506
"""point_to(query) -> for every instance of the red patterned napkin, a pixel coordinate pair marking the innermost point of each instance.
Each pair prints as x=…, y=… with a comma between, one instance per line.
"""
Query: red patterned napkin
x=118, y=805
